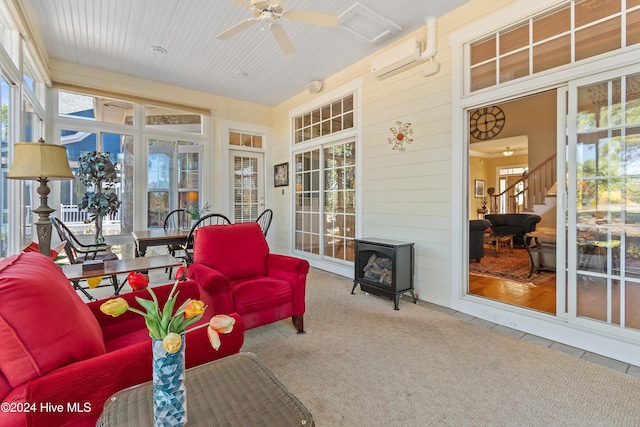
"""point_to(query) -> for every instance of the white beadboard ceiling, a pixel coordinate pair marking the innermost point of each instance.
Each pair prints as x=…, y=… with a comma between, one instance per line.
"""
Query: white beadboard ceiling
x=117, y=36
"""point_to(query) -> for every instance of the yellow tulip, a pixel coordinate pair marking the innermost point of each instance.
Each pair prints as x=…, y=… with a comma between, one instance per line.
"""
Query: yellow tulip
x=219, y=324
x=193, y=308
x=172, y=342
x=93, y=282
x=114, y=307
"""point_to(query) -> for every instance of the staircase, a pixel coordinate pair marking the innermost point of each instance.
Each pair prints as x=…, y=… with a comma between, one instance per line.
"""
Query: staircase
x=531, y=192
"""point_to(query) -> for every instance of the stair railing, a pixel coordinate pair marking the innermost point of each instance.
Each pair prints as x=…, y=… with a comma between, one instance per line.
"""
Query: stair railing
x=529, y=190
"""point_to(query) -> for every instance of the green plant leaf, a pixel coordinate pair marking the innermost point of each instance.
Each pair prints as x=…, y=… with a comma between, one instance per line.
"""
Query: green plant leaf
x=152, y=308
x=167, y=312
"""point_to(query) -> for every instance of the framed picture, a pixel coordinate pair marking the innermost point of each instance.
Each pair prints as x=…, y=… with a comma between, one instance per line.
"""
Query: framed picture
x=281, y=175
x=479, y=188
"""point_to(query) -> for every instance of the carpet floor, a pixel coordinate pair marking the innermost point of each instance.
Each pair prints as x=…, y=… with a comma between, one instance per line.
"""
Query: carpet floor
x=361, y=363
x=510, y=266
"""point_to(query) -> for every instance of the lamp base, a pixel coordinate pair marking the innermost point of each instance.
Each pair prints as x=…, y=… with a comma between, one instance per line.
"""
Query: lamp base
x=43, y=225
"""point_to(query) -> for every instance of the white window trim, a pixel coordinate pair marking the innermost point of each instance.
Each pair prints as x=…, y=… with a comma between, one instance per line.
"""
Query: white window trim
x=223, y=174
x=355, y=133
x=554, y=328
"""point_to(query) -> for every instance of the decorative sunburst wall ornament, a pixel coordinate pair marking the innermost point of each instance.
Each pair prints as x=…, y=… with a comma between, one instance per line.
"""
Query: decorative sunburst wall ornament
x=400, y=135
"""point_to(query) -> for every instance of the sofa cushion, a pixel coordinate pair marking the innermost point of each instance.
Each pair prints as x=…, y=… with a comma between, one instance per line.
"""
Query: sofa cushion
x=43, y=323
x=255, y=294
x=243, y=253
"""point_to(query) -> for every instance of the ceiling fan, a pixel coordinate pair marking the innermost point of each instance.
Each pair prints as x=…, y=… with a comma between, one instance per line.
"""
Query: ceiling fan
x=269, y=12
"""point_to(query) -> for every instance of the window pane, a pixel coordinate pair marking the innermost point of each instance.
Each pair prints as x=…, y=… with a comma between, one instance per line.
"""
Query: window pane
x=347, y=103
x=552, y=24
x=514, y=39
x=600, y=38
x=256, y=141
x=483, y=76
x=94, y=108
x=483, y=51
x=551, y=54
x=633, y=27
x=158, y=204
x=172, y=120
x=348, y=120
x=514, y=66
x=5, y=232
x=188, y=171
x=589, y=11
x=234, y=138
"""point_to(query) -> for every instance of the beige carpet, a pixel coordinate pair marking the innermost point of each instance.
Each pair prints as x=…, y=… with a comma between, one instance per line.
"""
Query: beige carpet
x=363, y=364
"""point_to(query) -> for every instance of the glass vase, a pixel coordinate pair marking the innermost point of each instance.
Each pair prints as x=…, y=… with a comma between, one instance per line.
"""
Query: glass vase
x=169, y=392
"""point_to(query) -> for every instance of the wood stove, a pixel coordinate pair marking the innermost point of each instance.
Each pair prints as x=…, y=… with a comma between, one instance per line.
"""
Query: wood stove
x=384, y=268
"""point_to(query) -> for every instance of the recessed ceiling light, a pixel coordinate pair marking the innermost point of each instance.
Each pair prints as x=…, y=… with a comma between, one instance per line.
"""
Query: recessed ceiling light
x=240, y=73
x=158, y=49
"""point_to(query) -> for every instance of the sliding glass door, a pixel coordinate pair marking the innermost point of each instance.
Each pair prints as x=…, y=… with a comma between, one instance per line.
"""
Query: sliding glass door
x=604, y=194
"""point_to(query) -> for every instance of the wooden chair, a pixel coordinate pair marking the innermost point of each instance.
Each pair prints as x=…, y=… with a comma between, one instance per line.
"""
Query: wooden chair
x=210, y=219
x=80, y=253
x=264, y=220
x=176, y=219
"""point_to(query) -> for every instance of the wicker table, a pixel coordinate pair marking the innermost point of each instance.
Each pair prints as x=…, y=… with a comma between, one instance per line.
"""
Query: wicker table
x=238, y=390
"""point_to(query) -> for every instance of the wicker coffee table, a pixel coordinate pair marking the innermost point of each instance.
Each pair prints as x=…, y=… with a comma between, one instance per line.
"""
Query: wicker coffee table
x=238, y=390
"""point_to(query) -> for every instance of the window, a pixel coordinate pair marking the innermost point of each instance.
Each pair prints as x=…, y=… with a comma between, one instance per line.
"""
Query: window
x=95, y=108
x=573, y=32
x=241, y=139
x=326, y=120
x=325, y=219
x=173, y=178
x=85, y=118
x=167, y=119
x=6, y=123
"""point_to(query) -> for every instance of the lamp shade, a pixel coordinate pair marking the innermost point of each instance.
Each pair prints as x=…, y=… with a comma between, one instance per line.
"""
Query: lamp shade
x=35, y=160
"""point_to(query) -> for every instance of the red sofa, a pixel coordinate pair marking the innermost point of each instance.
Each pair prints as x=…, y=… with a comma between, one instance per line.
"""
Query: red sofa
x=237, y=273
x=61, y=359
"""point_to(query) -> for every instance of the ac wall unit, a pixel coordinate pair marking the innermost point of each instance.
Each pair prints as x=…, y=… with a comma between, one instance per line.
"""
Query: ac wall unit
x=397, y=59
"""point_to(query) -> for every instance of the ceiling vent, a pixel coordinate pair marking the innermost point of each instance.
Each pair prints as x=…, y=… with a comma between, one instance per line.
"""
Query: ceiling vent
x=399, y=58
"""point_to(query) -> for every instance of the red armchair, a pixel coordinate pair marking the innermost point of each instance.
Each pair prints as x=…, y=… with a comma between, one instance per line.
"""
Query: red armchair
x=61, y=359
x=237, y=273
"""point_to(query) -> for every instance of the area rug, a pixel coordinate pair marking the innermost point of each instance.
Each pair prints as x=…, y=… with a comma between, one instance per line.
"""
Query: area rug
x=509, y=266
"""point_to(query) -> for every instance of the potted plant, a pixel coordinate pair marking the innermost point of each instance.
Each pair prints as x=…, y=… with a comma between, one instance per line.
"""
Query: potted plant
x=99, y=174
x=195, y=212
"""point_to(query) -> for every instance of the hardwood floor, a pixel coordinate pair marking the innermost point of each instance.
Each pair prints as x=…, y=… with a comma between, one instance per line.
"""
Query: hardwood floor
x=540, y=297
x=591, y=302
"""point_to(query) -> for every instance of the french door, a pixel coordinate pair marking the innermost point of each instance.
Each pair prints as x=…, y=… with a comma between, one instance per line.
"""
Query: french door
x=603, y=233
x=247, y=182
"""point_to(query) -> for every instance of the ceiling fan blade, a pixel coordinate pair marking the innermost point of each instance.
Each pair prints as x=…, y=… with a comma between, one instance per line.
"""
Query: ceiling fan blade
x=282, y=38
x=229, y=32
x=314, y=18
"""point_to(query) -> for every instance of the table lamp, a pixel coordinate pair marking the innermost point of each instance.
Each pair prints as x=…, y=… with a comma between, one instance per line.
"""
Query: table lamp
x=41, y=162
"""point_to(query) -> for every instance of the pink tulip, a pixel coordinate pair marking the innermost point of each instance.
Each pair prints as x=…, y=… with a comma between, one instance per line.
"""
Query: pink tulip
x=219, y=324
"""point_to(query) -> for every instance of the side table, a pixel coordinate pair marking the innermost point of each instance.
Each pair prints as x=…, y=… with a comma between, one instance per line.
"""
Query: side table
x=238, y=390
x=540, y=242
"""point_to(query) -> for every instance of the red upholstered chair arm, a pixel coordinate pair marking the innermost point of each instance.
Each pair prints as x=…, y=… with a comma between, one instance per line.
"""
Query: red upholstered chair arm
x=111, y=373
x=215, y=289
x=293, y=270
